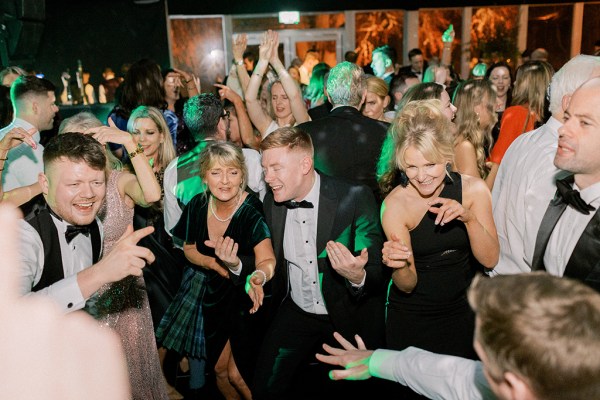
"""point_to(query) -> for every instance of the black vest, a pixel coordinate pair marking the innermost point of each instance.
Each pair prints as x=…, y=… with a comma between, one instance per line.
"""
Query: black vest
x=36, y=213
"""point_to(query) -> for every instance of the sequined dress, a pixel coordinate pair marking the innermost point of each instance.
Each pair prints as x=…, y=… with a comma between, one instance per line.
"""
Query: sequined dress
x=133, y=324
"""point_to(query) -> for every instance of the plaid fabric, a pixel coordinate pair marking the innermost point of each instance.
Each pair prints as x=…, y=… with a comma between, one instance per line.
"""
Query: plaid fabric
x=182, y=327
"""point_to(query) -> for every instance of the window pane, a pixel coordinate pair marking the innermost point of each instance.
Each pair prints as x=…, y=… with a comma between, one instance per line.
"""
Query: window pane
x=549, y=27
x=375, y=29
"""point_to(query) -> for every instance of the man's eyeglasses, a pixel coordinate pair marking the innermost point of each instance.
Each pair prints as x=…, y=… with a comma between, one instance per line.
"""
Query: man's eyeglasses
x=225, y=114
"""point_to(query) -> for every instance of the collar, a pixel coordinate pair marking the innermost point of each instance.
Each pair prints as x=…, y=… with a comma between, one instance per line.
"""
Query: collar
x=590, y=193
x=21, y=123
x=313, y=195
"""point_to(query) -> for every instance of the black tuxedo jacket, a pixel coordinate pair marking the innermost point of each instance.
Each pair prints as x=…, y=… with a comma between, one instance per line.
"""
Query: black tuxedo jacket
x=347, y=214
x=347, y=145
x=584, y=263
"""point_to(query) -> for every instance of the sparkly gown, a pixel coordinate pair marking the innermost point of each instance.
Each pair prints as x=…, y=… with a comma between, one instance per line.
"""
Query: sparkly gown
x=133, y=323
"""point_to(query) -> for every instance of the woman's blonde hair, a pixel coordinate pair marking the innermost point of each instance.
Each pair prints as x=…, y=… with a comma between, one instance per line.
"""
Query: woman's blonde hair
x=377, y=86
x=166, y=150
x=423, y=126
x=467, y=96
x=225, y=153
x=531, y=84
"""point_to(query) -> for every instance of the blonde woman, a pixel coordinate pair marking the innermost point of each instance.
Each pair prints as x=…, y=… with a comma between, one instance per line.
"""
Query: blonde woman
x=475, y=118
x=435, y=221
x=377, y=99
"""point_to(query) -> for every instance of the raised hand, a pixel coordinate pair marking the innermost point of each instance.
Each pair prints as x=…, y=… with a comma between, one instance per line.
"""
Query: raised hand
x=16, y=136
x=266, y=47
x=346, y=264
x=275, y=47
x=225, y=92
x=109, y=134
x=239, y=46
x=448, y=35
x=355, y=360
x=447, y=210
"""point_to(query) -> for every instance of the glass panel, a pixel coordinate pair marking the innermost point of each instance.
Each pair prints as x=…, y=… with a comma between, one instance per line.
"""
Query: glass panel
x=375, y=29
x=494, y=32
x=326, y=50
x=591, y=27
x=432, y=23
x=258, y=24
x=550, y=27
x=197, y=46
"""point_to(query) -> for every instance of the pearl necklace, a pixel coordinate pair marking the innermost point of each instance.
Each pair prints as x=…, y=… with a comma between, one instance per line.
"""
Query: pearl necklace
x=212, y=209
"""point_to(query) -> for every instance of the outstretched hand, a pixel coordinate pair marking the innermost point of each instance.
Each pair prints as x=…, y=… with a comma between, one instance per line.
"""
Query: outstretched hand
x=225, y=250
x=346, y=264
x=395, y=253
x=355, y=360
x=239, y=46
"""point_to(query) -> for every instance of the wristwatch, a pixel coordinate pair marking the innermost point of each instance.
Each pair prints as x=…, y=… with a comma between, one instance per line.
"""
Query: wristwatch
x=239, y=62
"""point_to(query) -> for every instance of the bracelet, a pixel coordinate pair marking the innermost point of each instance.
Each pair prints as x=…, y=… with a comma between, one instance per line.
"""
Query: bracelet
x=239, y=62
x=3, y=159
x=137, y=151
x=263, y=274
x=1, y=169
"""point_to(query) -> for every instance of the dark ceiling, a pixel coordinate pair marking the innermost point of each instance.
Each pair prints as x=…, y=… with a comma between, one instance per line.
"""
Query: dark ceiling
x=200, y=7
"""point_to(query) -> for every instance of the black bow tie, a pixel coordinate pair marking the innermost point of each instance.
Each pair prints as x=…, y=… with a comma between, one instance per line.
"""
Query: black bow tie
x=572, y=196
x=74, y=230
x=291, y=204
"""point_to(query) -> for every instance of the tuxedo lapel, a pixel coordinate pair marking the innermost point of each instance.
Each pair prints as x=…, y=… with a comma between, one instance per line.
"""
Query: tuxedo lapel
x=584, y=263
x=551, y=217
x=328, y=203
x=278, y=215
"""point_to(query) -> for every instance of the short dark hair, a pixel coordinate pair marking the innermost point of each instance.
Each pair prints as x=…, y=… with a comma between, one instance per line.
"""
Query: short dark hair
x=351, y=56
x=26, y=84
x=201, y=115
x=76, y=147
x=249, y=55
x=414, y=52
x=388, y=51
x=398, y=83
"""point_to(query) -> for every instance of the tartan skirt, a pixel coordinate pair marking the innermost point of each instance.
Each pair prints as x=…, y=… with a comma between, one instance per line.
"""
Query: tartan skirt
x=182, y=327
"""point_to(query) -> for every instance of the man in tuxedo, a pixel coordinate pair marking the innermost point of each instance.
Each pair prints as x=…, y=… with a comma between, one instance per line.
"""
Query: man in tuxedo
x=526, y=178
x=327, y=241
x=347, y=144
x=568, y=240
x=417, y=65
x=60, y=237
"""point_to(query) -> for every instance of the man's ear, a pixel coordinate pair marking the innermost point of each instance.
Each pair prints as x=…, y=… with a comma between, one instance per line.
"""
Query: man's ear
x=306, y=164
x=43, y=182
x=363, y=99
x=388, y=62
x=517, y=387
x=565, y=101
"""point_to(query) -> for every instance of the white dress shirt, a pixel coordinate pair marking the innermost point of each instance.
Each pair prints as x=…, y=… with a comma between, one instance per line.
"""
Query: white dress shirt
x=434, y=376
x=300, y=250
x=23, y=163
x=76, y=256
x=523, y=188
x=568, y=230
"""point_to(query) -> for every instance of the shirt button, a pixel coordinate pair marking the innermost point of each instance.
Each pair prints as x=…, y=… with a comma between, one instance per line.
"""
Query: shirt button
x=314, y=283
x=70, y=305
x=317, y=302
x=306, y=241
x=303, y=222
x=310, y=262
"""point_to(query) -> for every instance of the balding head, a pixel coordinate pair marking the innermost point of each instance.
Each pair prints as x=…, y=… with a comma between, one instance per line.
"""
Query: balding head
x=573, y=74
